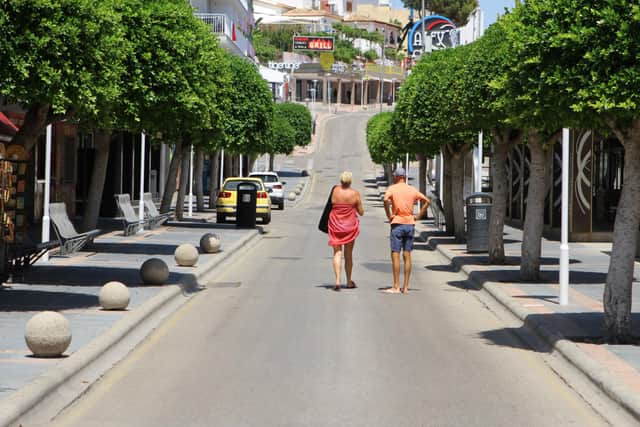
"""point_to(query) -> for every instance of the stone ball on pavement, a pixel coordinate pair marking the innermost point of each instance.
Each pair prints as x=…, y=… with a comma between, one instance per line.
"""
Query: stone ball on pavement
x=114, y=296
x=48, y=334
x=292, y=196
x=154, y=271
x=186, y=255
x=298, y=191
x=210, y=243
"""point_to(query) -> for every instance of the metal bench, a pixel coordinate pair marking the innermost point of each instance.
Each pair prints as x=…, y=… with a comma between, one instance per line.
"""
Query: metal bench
x=154, y=217
x=25, y=255
x=70, y=240
x=130, y=221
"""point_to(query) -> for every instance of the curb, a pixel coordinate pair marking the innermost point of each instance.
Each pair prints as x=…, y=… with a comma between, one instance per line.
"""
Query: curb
x=48, y=385
x=569, y=350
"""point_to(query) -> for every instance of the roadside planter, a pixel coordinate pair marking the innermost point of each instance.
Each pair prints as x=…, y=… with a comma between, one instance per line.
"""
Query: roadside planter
x=154, y=271
x=114, y=296
x=210, y=243
x=48, y=334
x=186, y=255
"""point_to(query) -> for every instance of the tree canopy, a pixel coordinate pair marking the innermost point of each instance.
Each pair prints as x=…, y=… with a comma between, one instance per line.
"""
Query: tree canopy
x=380, y=139
x=456, y=10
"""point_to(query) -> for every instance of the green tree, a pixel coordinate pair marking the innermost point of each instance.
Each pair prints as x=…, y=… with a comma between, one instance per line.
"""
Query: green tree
x=299, y=117
x=383, y=148
x=59, y=59
x=283, y=135
x=456, y=10
x=588, y=66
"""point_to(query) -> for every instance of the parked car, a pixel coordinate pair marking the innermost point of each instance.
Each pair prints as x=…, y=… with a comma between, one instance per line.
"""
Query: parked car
x=275, y=187
x=227, y=202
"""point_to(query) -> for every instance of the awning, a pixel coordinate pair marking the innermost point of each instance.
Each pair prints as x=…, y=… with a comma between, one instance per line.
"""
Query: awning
x=272, y=76
x=6, y=126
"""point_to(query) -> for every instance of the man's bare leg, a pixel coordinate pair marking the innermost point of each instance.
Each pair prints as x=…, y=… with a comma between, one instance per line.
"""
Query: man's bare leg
x=395, y=262
x=348, y=262
x=407, y=271
x=337, y=258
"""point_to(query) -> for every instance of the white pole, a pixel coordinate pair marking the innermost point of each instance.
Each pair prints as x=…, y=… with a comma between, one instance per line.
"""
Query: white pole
x=163, y=168
x=142, y=153
x=190, y=214
x=478, y=164
x=240, y=164
x=47, y=190
x=221, y=167
x=564, y=244
x=441, y=178
x=407, y=163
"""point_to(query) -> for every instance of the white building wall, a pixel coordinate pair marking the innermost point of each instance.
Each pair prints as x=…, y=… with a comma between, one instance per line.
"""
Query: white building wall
x=474, y=28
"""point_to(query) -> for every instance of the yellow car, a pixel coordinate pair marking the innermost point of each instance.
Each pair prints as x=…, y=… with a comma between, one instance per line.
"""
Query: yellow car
x=226, y=204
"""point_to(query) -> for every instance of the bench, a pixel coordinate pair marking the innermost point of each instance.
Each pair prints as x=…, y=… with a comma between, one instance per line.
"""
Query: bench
x=70, y=240
x=25, y=255
x=154, y=217
x=130, y=221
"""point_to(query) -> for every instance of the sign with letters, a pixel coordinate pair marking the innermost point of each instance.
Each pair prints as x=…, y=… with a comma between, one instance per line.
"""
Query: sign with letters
x=317, y=43
x=442, y=30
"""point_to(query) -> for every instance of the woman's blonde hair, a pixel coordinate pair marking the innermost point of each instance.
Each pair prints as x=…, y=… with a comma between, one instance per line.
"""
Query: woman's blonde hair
x=345, y=178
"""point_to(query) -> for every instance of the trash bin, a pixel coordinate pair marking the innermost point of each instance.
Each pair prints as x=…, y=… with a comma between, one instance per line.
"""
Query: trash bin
x=246, y=205
x=478, y=216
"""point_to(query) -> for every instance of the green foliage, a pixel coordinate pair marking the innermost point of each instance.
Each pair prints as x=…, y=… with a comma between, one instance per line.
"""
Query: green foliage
x=573, y=57
x=371, y=55
x=67, y=53
x=176, y=73
x=456, y=10
x=380, y=139
x=299, y=117
x=265, y=51
x=249, y=110
x=283, y=135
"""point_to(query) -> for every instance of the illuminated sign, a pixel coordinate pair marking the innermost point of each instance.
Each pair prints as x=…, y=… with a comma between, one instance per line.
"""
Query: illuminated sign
x=443, y=33
x=318, y=43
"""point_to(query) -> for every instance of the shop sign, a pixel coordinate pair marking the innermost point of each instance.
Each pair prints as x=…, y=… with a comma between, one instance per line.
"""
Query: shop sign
x=317, y=43
x=283, y=65
x=443, y=33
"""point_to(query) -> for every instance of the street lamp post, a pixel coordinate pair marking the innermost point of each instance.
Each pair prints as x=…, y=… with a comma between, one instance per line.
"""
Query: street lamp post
x=564, y=231
x=329, y=91
x=47, y=190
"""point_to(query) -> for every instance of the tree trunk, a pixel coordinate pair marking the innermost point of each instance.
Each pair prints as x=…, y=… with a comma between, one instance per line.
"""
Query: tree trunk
x=447, y=197
x=388, y=173
x=102, y=139
x=457, y=199
x=534, y=217
x=172, y=176
x=198, y=177
x=35, y=122
x=214, y=185
x=617, y=292
x=272, y=158
x=184, y=179
x=502, y=143
x=422, y=174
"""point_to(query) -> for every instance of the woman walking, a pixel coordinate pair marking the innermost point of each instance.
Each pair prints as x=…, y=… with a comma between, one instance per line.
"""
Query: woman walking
x=344, y=226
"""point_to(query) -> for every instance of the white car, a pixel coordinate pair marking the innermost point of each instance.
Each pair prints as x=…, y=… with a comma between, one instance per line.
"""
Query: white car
x=274, y=186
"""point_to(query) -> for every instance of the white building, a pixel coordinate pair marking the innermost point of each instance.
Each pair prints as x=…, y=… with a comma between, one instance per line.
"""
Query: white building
x=232, y=20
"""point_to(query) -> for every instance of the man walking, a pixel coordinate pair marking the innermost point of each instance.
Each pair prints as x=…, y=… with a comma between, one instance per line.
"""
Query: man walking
x=398, y=206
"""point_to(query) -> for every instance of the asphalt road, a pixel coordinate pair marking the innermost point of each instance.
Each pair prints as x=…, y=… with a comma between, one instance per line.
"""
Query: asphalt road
x=269, y=344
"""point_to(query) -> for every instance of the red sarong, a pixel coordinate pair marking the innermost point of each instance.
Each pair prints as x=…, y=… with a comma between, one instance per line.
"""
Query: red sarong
x=343, y=224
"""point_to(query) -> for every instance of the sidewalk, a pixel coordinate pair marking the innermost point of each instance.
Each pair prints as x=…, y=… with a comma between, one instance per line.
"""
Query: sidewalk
x=574, y=330
x=70, y=285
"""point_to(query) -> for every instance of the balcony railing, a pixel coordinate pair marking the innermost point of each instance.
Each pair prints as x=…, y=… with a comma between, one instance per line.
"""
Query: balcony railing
x=221, y=24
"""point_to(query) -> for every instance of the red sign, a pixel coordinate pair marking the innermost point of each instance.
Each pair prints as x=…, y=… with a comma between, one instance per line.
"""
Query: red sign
x=318, y=43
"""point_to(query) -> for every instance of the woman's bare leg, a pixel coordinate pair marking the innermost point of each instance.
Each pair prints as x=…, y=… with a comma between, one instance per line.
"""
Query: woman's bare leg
x=337, y=258
x=348, y=262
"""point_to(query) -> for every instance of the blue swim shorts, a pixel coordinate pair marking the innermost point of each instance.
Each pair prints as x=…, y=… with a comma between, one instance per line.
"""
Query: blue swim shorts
x=402, y=237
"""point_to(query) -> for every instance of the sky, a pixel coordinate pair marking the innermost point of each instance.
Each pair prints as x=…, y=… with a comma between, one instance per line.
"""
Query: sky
x=491, y=8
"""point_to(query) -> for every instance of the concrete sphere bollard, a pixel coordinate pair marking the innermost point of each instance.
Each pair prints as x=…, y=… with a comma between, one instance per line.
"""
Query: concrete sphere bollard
x=292, y=196
x=154, y=271
x=297, y=191
x=186, y=255
x=210, y=243
x=48, y=334
x=114, y=296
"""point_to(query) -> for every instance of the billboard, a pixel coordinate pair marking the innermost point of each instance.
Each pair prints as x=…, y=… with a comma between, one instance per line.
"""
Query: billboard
x=318, y=43
x=441, y=30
